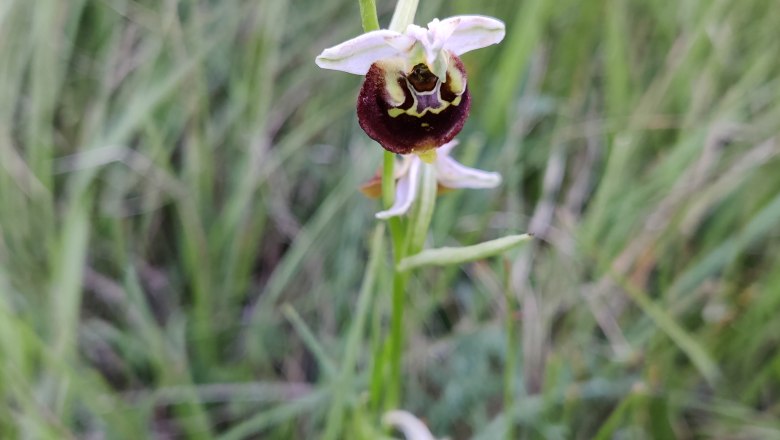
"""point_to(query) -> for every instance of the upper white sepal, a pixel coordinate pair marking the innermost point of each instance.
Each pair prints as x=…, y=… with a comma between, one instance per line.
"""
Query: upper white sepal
x=358, y=54
x=456, y=35
x=471, y=32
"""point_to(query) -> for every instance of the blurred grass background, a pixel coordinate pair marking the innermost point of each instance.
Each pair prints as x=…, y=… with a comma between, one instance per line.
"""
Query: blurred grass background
x=182, y=243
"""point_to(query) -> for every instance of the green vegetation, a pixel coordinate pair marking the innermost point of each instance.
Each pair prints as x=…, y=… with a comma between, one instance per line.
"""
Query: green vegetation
x=184, y=252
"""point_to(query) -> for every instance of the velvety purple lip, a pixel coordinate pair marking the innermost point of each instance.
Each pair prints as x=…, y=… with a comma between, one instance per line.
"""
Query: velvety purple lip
x=404, y=133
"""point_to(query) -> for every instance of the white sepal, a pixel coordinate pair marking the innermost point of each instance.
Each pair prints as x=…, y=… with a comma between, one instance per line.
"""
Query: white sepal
x=448, y=173
x=358, y=54
x=456, y=175
x=405, y=192
x=471, y=32
x=456, y=35
x=453, y=174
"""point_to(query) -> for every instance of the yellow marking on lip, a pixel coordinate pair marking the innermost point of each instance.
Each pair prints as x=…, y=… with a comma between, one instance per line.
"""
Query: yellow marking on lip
x=392, y=70
x=457, y=81
x=412, y=111
x=395, y=112
x=394, y=91
x=427, y=156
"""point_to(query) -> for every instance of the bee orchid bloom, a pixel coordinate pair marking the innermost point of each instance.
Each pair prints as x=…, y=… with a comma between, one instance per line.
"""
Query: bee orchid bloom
x=415, y=96
x=450, y=174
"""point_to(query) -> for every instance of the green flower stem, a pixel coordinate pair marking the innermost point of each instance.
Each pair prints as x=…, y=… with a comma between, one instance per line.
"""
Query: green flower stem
x=404, y=15
x=388, y=180
x=368, y=15
x=393, y=393
x=398, y=235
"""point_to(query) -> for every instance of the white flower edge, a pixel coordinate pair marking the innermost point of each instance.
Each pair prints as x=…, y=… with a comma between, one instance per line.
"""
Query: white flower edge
x=358, y=54
x=405, y=191
x=452, y=174
x=408, y=424
x=457, y=35
x=449, y=173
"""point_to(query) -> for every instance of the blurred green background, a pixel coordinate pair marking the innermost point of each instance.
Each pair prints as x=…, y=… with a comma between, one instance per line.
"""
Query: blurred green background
x=182, y=241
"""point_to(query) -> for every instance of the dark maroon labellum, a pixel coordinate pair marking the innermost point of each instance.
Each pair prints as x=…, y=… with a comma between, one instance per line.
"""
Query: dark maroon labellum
x=431, y=114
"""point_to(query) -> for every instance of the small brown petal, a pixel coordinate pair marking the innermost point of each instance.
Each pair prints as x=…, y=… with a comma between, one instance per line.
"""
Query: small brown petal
x=373, y=187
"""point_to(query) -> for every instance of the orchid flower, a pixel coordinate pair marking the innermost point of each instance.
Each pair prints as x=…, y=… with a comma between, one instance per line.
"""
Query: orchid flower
x=415, y=96
x=450, y=174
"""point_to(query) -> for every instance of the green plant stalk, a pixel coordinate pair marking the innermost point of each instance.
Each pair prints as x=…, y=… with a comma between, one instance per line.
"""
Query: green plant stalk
x=402, y=241
x=393, y=393
x=409, y=242
x=368, y=15
x=398, y=233
x=388, y=180
x=403, y=16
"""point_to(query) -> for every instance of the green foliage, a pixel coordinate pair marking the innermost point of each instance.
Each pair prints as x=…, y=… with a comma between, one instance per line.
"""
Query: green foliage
x=184, y=253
